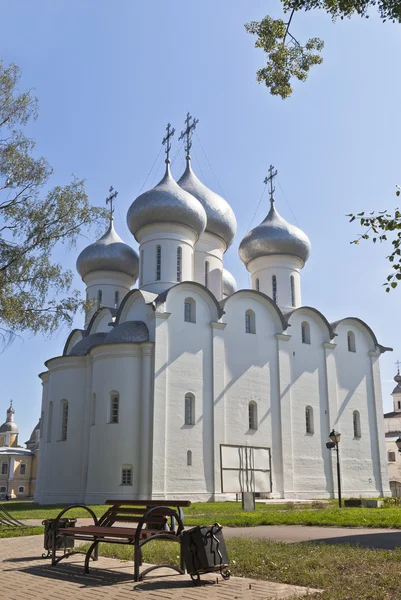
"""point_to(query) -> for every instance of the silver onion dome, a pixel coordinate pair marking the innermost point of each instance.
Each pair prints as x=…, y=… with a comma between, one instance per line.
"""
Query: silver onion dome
x=274, y=236
x=167, y=202
x=221, y=220
x=109, y=253
x=229, y=283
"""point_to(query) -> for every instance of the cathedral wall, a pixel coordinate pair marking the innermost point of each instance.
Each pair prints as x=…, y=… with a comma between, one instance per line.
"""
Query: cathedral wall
x=61, y=460
x=209, y=249
x=312, y=469
x=360, y=456
x=114, y=446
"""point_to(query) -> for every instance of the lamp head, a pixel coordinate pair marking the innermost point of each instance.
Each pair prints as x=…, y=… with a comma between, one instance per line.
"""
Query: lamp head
x=335, y=436
x=398, y=442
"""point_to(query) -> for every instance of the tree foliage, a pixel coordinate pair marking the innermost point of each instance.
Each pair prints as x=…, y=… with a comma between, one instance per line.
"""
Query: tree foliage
x=34, y=290
x=286, y=57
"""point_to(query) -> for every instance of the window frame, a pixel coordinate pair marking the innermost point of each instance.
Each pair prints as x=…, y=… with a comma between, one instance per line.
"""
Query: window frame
x=253, y=416
x=250, y=321
x=189, y=409
x=4, y=471
x=99, y=298
x=351, y=343
x=21, y=489
x=391, y=453
x=158, y=262
x=305, y=333
x=116, y=298
x=207, y=274
x=189, y=310
x=309, y=424
x=126, y=475
x=114, y=413
x=20, y=468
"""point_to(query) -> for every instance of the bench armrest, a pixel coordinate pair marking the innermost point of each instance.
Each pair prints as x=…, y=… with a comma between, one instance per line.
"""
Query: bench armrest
x=89, y=510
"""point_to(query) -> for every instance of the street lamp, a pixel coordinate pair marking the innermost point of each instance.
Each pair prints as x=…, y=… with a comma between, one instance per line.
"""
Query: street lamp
x=398, y=442
x=335, y=439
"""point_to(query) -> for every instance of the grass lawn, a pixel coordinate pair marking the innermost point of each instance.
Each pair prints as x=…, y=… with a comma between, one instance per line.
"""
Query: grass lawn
x=344, y=572
x=230, y=514
x=7, y=532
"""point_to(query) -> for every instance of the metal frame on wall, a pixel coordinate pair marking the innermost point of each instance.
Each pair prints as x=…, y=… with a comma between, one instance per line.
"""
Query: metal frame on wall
x=246, y=468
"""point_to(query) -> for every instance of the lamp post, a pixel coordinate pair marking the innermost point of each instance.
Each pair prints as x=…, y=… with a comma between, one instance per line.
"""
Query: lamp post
x=335, y=439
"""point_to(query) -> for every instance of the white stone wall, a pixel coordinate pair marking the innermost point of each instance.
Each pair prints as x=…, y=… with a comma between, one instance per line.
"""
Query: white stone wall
x=210, y=249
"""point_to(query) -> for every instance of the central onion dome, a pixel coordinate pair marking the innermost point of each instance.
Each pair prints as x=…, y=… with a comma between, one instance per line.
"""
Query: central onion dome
x=274, y=236
x=221, y=220
x=109, y=253
x=167, y=202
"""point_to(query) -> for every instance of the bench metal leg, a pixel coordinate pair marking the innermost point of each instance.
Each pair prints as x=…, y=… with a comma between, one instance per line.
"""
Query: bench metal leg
x=93, y=547
x=137, y=561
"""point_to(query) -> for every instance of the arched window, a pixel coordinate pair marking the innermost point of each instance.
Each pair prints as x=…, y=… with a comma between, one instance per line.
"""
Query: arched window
x=274, y=288
x=309, y=419
x=49, y=422
x=207, y=273
x=292, y=282
x=116, y=299
x=356, y=423
x=391, y=457
x=179, y=263
x=99, y=298
x=305, y=332
x=257, y=284
x=253, y=415
x=64, y=420
x=250, y=326
x=158, y=263
x=189, y=409
x=126, y=475
x=190, y=310
x=21, y=489
x=351, y=341
x=114, y=407
x=189, y=458
x=93, y=409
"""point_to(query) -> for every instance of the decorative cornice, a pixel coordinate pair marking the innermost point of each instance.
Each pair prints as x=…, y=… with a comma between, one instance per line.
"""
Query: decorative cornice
x=283, y=337
x=329, y=346
x=374, y=353
x=159, y=315
x=217, y=325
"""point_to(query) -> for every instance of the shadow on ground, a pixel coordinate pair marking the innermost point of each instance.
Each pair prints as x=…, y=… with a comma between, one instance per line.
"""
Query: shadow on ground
x=378, y=541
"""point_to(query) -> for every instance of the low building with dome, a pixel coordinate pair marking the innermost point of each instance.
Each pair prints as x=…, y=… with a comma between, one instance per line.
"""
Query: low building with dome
x=18, y=465
x=180, y=385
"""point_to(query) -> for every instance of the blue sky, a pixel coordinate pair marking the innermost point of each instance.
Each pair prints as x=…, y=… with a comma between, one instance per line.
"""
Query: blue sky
x=110, y=75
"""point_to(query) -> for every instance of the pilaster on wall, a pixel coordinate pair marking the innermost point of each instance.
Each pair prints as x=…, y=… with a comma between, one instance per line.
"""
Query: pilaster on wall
x=219, y=412
x=379, y=437
x=160, y=404
x=282, y=448
x=145, y=473
x=86, y=429
x=332, y=404
x=42, y=446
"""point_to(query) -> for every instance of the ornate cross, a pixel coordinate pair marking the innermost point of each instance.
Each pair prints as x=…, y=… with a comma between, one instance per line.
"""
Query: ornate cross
x=112, y=196
x=269, y=180
x=166, y=140
x=398, y=365
x=188, y=132
x=11, y=403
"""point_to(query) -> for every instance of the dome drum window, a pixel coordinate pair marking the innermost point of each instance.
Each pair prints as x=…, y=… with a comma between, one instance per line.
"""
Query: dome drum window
x=292, y=283
x=207, y=274
x=158, y=263
x=179, y=263
x=189, y=458
x=99, y=298
x=116, y=299
x=22, y=469
x=257, y=284
x=274, y=288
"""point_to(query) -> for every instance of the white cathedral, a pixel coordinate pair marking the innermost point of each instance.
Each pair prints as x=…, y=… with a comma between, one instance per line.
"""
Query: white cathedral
x=171, y=382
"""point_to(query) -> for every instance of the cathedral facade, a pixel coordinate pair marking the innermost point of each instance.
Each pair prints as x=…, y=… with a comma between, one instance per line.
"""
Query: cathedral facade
x=165, y=377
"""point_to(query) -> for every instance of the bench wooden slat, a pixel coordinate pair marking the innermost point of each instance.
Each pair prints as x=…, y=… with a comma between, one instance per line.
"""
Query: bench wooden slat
x=150, y=519
x=120, y=532
x=132, y=511
x=150, y=503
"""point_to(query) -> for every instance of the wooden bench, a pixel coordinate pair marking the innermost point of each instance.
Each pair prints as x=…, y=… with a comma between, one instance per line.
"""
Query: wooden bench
x=154, y=519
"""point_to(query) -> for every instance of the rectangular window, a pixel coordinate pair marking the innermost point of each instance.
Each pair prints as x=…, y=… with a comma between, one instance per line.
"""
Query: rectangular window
x=22, y=469
x=187, y=316
x=4, y=468
x=126, y=476
x=114, y=409
x=158, y=263
x=64, y=422
x=21, y=489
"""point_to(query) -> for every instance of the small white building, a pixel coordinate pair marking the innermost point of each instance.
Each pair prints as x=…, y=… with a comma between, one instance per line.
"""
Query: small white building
x=162, y=375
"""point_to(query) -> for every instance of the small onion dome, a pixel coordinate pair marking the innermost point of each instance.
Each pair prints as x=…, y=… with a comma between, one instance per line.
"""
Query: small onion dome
x=9, y=425
x=109, y=253
x=397, y=379
x=229, y=283
x=221, y=220
x=274, y=236
x=167, y=202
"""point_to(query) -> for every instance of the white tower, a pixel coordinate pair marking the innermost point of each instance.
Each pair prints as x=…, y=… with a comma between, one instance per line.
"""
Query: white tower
x=274, y=253
x=221, y=224
x=166, y=221
x=396, y=393
x=109, y=268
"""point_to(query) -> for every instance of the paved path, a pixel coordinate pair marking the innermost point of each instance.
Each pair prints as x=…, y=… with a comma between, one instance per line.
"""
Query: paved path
x=384, y=539
x=24, y=574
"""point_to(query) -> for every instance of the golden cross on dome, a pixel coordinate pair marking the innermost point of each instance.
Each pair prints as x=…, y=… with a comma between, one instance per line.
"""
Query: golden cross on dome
x=109, y=200
x=269, y=180
x=188, y=131
x=166, y=141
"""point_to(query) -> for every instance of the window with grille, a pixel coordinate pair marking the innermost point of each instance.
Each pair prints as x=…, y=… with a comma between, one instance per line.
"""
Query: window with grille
x=351, y=341
x=189, y=409
x=250, y=322
x=126, y=476
x=114, y=408
x=189, y=458
x=99, y=298
x=257, y=284
x=22, y=469
x=292, y=281
x=356, y=423
x=49, y=422
x=207, y=274
x=179, y=263
x=309, y=419
x=158, y=263
x=274, y=288
x=4, y=468
x=64, y=420
x=305, y=333
x=253, y=415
